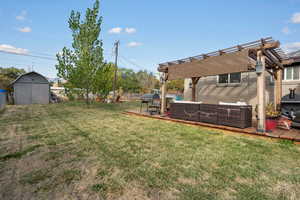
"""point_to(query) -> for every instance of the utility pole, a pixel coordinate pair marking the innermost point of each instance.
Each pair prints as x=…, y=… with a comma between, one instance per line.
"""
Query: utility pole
x=117, y=43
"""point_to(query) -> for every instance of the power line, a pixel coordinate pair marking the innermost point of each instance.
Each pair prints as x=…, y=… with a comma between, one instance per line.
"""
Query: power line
x=123, y=64
x=8, y=60
x=39, y=55
x=131, y=62
x=28, y=55
x=54, y=55
x=46, y=56
x=14, y=65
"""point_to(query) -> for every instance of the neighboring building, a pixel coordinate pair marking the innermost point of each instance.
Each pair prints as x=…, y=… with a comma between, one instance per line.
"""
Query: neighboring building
x=31, y=88
x=294, y=54
x=242, y=86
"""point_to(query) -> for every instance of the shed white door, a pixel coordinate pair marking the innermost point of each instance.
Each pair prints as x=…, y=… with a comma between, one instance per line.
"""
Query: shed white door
x=31, y=94
x=23, y=94
x=40, y=93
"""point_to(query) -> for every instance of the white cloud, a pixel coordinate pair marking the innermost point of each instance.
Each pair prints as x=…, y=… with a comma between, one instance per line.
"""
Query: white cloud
x=116, y=30
x=296, y=18
x=286, y=30
x=290, y=47
x=22, y=15
x=11, y=49
x=134, y=44
x=130, y=30
x=25, y=29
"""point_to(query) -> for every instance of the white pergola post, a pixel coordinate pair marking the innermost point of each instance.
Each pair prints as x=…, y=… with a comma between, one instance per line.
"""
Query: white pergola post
x=163, y=94
x=261, y=88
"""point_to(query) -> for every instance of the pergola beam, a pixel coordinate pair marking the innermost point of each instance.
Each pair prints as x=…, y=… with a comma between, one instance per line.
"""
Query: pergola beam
x=272, y=45
x=276, y=54
x=270, y=72
x=271, y=58
x=194, y=84
x=163, y=68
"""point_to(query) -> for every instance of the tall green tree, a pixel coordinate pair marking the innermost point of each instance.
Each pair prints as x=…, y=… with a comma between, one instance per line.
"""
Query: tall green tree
x=81, y=65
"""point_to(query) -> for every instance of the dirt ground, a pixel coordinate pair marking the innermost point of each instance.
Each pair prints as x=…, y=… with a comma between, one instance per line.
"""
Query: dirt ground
x=34, y=171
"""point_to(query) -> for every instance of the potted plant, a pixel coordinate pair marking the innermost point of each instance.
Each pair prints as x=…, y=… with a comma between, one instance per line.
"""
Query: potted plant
x=271, y=117
x=271, y=112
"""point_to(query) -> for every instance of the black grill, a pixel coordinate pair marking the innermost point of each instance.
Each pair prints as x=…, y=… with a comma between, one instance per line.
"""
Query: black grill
x=290, y=104
x=148, y=98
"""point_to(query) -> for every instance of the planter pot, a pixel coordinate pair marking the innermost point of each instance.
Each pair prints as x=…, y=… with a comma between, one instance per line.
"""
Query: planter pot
x=271, y=124
x=273, y=117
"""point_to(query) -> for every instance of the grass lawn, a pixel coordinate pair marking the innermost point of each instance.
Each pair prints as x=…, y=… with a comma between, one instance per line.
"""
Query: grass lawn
x=69, y=151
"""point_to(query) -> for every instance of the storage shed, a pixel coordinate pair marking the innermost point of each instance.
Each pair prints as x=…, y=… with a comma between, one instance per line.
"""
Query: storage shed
x=31, y=88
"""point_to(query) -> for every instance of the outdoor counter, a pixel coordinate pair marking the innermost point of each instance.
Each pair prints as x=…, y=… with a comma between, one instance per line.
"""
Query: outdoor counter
x=229, y=115
x=188, y=102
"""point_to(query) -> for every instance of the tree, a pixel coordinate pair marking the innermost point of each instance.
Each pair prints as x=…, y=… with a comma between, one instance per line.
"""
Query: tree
x=147, y=80
x=128, y=80
x=82, y=65
x=7, y=75
x=102, y=84
x=177, y=85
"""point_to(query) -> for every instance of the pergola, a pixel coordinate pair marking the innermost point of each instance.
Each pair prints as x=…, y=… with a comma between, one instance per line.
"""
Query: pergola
x=240, y=58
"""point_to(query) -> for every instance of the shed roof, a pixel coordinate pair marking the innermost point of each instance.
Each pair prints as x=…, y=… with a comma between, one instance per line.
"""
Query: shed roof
x=239, y=58
x=29, y=73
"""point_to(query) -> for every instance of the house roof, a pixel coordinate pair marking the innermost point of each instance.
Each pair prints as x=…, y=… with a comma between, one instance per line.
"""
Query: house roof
x=294, y=57
x=294, y=54
x=28, y=73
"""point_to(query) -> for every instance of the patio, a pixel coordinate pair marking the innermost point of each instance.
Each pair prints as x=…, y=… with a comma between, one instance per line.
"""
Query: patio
x=261, y=56
x=278, y=133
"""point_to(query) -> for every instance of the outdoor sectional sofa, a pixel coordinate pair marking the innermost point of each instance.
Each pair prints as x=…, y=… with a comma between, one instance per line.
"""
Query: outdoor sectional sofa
x=239, y=116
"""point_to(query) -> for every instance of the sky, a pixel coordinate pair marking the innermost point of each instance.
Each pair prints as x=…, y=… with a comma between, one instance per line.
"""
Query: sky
x=150, y=32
